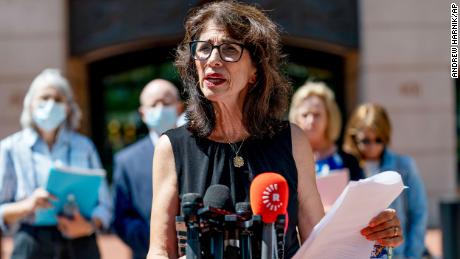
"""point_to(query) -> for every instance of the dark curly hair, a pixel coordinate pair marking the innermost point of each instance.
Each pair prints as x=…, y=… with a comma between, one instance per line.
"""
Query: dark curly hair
x=267, y=101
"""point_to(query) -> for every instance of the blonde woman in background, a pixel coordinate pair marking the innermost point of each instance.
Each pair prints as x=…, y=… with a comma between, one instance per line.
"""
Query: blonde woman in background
x=368, y=136
x=315, y=111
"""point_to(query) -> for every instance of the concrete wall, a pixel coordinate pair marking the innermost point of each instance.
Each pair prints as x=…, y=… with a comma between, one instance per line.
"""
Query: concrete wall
x=32, y=37
x=405, y=66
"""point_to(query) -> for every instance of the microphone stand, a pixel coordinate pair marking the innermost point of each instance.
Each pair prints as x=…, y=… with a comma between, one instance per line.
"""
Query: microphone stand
x=245, y=226
x=267, y=241
x=217, y=244
x=279, y=230
x=246, y=236
x=212, y=220
x=193, y=248
x=190, y=204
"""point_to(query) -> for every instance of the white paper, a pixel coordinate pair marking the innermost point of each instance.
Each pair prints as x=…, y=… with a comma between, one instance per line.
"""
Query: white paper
x=331, y=186
x=338, y=235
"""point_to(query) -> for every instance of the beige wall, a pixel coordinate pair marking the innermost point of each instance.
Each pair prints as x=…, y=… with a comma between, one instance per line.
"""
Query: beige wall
x=32, y=37
x=405, y=67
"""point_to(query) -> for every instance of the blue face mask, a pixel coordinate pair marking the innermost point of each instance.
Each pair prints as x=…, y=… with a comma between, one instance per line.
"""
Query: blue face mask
x=48, y=115
x=161, y=118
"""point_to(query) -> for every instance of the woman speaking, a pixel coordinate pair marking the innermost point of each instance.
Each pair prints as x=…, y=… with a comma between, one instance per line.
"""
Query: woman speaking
x=229, y=61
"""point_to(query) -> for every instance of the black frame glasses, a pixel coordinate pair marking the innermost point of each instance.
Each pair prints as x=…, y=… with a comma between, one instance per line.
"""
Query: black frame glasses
x=228, y=51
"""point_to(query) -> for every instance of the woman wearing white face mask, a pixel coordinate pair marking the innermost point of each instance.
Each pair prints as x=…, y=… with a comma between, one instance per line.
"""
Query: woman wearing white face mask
x=49, y=119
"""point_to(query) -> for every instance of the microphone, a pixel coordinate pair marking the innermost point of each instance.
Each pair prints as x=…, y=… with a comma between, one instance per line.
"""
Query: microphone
x=243, y=210
x=191, y=203
x=218, y=196
x=217, y=203
x=269, y=195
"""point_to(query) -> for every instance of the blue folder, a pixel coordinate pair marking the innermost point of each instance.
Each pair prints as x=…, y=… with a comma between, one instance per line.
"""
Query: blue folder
x=82, y=183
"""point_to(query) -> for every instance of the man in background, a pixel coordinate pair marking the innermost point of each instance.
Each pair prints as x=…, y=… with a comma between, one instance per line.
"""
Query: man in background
x=133, y=167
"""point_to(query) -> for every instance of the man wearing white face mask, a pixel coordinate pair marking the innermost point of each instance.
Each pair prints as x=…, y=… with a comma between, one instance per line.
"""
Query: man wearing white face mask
x=133, y=167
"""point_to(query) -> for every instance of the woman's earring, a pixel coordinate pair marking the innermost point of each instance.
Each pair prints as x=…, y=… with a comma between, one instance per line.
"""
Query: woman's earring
x=253, y=78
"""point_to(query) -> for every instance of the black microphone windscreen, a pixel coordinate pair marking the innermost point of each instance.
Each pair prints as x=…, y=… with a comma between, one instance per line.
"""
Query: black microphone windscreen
x=190, y=203
x=218, y=196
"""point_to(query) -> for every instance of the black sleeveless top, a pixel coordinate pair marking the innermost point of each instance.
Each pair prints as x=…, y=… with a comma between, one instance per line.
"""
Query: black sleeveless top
x=201, y=162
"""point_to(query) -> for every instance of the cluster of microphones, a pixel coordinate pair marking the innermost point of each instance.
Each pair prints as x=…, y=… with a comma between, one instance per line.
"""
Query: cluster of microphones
x=211, y=227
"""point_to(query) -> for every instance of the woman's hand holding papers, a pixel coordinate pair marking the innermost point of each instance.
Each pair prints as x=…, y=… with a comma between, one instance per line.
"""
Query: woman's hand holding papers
x=385, y=229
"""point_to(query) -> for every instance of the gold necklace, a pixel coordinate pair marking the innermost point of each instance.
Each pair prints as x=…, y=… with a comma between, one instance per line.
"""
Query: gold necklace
x=238, y=161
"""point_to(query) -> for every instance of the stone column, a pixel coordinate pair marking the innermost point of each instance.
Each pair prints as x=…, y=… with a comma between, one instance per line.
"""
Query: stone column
x=32, y=37
x=405, y=67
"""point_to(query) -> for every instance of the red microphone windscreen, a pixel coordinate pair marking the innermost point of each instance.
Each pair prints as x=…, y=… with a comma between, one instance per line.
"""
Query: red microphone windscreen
x=269, y=196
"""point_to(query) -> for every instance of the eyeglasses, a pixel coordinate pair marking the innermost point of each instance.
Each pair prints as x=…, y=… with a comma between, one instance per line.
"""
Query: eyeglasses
x=228, y=52
x=368, y=141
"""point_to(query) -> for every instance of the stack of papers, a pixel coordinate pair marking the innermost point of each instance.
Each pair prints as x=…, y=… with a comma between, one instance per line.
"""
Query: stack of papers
x=338, y=235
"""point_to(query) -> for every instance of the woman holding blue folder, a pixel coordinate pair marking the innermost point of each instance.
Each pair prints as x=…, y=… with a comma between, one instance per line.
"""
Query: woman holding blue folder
x=49, y=119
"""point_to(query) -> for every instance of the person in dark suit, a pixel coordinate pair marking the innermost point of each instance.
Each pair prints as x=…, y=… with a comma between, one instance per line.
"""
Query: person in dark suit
x=133, y=167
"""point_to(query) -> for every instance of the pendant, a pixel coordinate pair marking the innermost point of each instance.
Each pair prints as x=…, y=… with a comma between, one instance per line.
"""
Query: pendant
x=238, y=161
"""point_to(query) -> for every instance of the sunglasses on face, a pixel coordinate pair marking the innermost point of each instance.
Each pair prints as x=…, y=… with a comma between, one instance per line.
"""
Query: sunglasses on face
x=368, y=141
